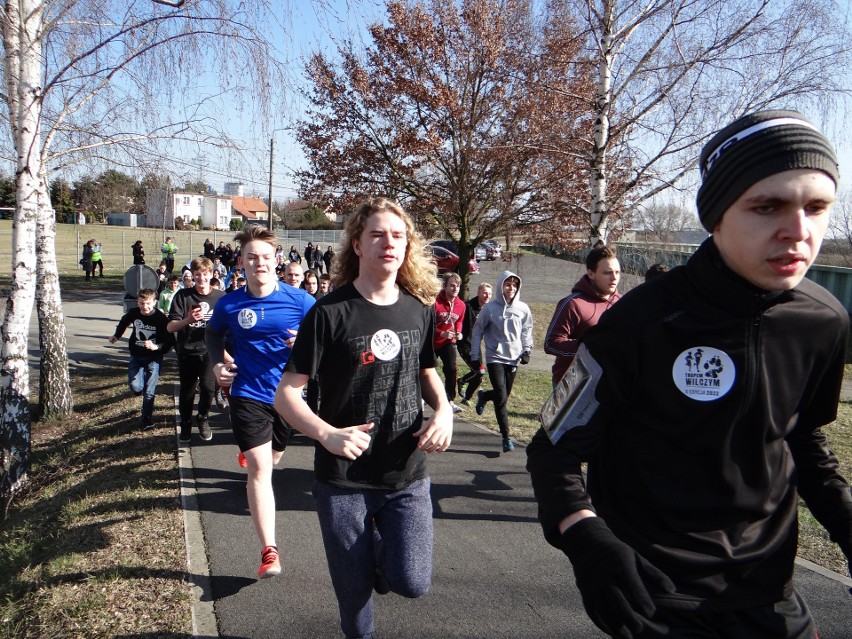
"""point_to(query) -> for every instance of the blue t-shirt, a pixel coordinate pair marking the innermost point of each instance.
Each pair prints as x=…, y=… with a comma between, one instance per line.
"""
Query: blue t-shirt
x=257, y=327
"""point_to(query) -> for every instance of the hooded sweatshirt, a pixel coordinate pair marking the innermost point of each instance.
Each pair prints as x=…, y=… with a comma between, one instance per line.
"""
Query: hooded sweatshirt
x=505, y=326
x=574, y=315
x=448, y=317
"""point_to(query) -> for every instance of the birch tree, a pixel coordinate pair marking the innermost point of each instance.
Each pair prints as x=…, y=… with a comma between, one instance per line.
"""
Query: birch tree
x=670, y=72
x=95, y=78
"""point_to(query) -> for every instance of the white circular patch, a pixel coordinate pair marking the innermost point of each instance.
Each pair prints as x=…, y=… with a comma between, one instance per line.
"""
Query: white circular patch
x=247, y=318
x=704, y=373
x=385, y=344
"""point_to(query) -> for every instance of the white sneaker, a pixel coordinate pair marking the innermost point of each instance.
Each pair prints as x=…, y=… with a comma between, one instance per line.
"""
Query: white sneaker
x=456, y=408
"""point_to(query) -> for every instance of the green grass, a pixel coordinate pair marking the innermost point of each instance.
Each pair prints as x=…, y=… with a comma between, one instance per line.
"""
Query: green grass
x=94, y=546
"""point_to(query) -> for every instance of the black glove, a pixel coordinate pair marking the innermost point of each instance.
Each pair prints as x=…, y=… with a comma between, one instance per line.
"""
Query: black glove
x=613, y=579
x=476, y=366
x=525, y=358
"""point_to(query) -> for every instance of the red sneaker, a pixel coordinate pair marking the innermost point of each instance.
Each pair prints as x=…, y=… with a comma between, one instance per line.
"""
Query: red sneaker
x=241, y=460
x=270, y=564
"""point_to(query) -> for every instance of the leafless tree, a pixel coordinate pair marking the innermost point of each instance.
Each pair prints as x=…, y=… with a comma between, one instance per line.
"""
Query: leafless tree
x=85, y=78
x=670, y=72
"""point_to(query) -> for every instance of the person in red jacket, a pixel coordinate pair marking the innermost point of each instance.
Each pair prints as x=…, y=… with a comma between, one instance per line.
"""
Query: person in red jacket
x=594, y=293
x=449, y=316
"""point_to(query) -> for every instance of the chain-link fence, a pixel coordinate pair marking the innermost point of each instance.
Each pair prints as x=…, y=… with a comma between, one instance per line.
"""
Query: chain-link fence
x=117, y=242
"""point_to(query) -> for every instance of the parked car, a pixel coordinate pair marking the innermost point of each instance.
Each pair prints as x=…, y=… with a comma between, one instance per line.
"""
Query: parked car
x=480, y=252
x=492, y=250
x=449, y=261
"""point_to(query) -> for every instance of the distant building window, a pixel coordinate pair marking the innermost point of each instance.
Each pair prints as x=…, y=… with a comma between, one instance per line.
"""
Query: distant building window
x=200, y=201
x=186, y=199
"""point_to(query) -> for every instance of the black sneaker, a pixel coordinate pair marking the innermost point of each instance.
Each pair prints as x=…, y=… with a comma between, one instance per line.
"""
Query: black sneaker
x=204, y=427
x=185, y=435
x=148, y=424
x=480, y=402
x=460, y=387
x=508, y=445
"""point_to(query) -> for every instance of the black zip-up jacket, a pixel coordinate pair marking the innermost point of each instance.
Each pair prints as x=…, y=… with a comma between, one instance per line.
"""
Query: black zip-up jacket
x=711, y=400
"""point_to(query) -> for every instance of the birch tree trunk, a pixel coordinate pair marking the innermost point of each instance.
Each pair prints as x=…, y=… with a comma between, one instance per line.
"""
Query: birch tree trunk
x=598, y=209
x=22, y=43
x=54, y=391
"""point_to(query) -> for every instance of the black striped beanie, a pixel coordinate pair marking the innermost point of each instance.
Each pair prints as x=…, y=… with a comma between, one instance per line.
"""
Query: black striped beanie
x=753, y=148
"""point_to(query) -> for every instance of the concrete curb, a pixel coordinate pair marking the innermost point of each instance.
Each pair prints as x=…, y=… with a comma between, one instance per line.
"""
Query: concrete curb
x=825, y=572
x=203, y=614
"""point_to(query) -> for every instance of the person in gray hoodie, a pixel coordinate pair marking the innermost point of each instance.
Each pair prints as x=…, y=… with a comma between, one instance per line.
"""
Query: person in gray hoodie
x=505, y=323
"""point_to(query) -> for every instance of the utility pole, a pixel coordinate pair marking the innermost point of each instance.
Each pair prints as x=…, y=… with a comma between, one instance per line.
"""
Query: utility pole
x=271, y=149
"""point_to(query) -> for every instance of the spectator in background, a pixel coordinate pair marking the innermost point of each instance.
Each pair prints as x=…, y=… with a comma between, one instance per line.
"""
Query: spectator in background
x=97, y=259
x=168, y=251
x=86, y=259
x=209, y=249
x=324, y=284
x=308, y=254
x=138, y=252
x=327, y=258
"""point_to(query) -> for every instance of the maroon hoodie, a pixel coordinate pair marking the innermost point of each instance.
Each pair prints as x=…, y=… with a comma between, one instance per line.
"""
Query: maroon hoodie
x=574, y=315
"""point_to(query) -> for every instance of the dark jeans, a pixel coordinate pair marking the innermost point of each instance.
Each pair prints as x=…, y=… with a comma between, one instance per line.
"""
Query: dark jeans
x=192, y=369
x=447, y=355
x=99, y=265
x=142, y=376
x=502, y=378
x=369, y=528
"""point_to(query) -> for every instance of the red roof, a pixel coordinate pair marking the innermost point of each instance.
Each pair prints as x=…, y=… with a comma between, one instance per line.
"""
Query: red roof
x=248, y=207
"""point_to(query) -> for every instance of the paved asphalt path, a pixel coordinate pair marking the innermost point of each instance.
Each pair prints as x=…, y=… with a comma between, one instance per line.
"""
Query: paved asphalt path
x=494, y=576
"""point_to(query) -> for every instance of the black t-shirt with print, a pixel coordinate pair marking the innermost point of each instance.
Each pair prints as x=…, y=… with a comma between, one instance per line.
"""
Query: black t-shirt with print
x=190, y=339
x=367, y=359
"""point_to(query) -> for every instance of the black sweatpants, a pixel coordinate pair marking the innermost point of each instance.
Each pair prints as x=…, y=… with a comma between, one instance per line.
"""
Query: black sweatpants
x=194, y=369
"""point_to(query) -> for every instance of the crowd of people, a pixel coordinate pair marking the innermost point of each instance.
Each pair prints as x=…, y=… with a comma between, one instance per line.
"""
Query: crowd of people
x=685, y=421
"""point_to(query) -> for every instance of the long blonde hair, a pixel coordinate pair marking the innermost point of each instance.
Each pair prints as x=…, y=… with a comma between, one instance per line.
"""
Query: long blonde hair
x=418, y=273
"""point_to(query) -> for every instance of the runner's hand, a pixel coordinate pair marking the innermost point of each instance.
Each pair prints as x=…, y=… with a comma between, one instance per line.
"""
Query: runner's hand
x=348, y=442
x=614, y=580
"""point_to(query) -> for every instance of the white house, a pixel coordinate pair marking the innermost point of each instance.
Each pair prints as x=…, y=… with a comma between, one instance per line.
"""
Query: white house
x=214, y=210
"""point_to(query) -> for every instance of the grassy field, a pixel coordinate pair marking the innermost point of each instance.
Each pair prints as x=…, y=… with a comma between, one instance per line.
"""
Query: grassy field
x=94, y=547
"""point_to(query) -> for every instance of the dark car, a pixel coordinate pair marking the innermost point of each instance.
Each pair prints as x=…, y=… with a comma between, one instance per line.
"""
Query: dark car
x=449, y=261
x=480, y=253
